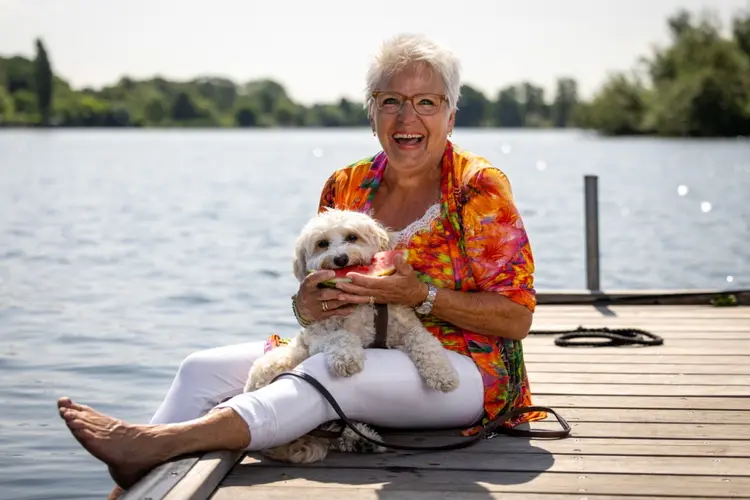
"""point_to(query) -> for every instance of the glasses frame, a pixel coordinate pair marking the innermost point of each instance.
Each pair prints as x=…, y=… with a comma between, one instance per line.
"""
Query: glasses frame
x=409, y=98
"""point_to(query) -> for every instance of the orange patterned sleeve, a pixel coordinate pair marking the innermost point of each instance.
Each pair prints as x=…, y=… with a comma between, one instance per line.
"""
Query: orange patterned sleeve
x=495, y=238
x=328, y=194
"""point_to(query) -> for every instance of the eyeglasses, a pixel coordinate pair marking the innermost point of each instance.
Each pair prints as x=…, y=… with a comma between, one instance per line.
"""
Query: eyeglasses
x=424, y=104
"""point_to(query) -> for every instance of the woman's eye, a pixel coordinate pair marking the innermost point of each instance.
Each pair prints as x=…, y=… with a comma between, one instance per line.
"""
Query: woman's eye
x=323, y=244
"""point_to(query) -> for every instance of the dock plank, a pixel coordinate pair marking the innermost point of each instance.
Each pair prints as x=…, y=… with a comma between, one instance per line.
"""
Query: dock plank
x=305, y=480
x=615, y=356
x=584, y=463
x=576, y=445
x=707, y=350
x=647, y=422
x=666, y=390
x=657, y=416
x=649, y=402
x=275, y=493
x=271, y=493
x=536, y=367
x=641, y=379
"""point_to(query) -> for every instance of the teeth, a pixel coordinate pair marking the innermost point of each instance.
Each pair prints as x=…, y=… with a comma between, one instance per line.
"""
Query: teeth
x=407, y=136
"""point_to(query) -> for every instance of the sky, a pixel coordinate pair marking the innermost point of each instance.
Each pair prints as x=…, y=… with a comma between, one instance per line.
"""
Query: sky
x=320, y=50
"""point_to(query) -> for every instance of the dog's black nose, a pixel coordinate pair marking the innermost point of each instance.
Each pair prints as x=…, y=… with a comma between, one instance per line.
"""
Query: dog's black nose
x=341, y=260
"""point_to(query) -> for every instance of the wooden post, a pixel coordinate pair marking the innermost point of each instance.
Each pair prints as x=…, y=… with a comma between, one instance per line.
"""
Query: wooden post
x=592, y=232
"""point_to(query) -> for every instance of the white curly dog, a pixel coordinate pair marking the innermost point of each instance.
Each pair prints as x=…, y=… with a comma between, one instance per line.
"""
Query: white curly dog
x=335, y=239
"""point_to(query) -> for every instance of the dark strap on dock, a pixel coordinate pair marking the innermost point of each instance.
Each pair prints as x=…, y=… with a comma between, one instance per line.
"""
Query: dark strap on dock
x=494, y=427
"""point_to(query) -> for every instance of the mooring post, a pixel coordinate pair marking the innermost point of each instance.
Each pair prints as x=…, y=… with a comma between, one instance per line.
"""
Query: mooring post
x=592, y=232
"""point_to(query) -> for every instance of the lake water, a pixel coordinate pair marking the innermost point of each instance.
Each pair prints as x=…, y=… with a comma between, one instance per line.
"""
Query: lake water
x=123, y=251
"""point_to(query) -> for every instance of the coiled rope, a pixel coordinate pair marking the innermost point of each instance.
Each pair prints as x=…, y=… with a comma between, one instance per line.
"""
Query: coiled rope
x=608, y=337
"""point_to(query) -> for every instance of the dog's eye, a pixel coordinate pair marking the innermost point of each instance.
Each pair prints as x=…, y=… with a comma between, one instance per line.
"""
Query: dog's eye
x=351, y=238
x=323, y=244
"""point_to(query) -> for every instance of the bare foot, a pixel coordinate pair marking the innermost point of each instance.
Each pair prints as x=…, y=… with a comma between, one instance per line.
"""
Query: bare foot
x=130, y=451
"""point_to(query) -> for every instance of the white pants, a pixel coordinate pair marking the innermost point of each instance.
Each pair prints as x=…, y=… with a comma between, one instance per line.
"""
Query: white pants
x=388, y=392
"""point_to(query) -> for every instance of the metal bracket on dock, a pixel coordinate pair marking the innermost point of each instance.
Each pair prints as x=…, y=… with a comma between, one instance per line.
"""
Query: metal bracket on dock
x=190, y=477
x=161, y=479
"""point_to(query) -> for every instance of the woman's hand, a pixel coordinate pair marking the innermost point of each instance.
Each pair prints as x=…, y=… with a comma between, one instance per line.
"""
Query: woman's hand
x=402, y=287
x=315, y=303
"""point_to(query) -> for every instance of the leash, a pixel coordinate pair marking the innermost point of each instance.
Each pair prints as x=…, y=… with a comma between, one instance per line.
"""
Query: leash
x=494, y=427
x=612, y=337
x=381, y=326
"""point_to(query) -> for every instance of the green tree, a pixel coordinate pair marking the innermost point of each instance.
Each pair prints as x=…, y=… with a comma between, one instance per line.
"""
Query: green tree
x=535, y=110
x=508, y=109
x=156, y=111
x=7, y=107
x=618, y=108
x=246, y=117
x=700, y=84
x=43, y=82
x=741, y=32
x=325, y=115
x=26, y=106
x=184, y=109
x=565, y=102
x=473, y=108
x=19, y=74
x=289, y=114
x=220, y=91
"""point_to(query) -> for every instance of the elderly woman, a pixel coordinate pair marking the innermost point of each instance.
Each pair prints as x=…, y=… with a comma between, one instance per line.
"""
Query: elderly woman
x=476, y=295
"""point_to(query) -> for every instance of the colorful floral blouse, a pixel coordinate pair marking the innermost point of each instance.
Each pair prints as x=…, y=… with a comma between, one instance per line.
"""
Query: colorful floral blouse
x=478, y=243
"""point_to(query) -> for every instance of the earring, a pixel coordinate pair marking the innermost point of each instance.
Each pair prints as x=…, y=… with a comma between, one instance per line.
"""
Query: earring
x=374, y=133
x=450, y=133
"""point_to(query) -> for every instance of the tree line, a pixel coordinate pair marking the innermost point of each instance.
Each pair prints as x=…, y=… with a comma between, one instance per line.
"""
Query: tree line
x=697, y=86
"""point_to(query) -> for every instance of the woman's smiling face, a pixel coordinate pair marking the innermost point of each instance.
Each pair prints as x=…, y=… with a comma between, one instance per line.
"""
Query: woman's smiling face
x=414, y=136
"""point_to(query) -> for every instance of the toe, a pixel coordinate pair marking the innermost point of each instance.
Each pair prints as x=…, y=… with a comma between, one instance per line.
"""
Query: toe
x=68, y=414
x=64, y=403
x=65, y=413
x=67, y=403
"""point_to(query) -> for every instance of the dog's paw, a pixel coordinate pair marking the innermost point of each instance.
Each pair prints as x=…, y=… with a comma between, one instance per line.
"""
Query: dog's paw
x=303, y=450
x=253, y=384
x=352, y=442
x=258, y=377
x=444, y=379
x=346, y=364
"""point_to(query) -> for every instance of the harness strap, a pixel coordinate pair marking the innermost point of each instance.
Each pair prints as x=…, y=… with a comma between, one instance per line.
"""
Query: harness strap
x=381, y=326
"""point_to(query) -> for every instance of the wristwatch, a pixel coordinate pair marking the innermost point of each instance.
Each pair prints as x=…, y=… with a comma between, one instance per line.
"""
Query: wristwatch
x=426, y=307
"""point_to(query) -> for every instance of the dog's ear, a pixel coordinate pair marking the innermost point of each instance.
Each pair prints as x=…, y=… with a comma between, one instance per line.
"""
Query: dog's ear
x=384, y=238
x=299, y=262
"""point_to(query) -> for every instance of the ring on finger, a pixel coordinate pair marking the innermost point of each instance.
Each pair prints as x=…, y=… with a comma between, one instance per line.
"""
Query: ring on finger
x=372, y=300
x=324, y=305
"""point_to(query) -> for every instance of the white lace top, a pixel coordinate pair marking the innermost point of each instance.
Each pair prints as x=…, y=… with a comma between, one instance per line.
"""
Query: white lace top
x=419, y=225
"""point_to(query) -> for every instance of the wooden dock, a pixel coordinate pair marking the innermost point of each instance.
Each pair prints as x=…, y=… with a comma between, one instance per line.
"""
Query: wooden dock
x=669, y=421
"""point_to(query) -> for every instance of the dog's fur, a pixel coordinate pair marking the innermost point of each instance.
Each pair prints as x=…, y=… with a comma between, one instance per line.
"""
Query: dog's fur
x=343, y=339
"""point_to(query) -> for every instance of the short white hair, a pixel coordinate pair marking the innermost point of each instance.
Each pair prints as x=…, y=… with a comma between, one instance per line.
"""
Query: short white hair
x=406, y=49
